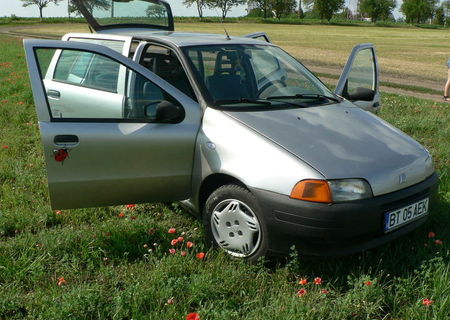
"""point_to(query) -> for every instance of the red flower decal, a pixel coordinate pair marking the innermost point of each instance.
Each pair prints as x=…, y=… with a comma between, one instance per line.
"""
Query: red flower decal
x=368, y=283
x=431, y=234
x=172, y=230
x=303, y=281
x=61, y=155
x=200, y=255
x=61, y=281
x=193, y=316
x=172, y=251
x=301, y=292
x=427, y=302
x=189, y=244
x=174, y=242
x=317, y=280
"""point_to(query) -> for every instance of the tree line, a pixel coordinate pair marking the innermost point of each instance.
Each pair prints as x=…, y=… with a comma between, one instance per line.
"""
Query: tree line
x=415, y=11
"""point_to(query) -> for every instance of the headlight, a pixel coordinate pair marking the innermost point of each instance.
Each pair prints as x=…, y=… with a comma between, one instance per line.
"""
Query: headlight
x=350, y=189
x=332, y=190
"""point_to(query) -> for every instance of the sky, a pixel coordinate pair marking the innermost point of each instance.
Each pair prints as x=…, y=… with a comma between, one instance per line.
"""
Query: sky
x=9, y=7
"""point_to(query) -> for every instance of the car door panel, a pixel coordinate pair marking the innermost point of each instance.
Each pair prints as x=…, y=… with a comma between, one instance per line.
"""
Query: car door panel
x=359, y=81
x=114, y=161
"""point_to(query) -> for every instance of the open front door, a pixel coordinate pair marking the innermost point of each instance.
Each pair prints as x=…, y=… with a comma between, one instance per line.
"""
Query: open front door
x=359, y=81
x=259, y=36
x=113, y=132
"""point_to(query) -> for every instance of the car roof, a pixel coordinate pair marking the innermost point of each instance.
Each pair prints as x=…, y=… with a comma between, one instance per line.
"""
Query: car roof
x=183, y=39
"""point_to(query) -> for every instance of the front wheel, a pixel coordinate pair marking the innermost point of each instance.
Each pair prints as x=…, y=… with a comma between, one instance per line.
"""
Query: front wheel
x=234, y=222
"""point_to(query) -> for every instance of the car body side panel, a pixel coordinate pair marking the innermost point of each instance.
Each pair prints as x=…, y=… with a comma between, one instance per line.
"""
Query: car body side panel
x=246, y=155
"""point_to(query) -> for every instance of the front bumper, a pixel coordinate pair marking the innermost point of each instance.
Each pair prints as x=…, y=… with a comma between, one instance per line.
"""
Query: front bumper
x=340, y=228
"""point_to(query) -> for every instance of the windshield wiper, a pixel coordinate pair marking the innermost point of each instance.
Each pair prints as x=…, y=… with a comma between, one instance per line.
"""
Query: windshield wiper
x=305, y=96
x=243, y=100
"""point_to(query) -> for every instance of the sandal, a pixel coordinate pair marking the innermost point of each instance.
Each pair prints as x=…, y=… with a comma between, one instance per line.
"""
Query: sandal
x=446, y=98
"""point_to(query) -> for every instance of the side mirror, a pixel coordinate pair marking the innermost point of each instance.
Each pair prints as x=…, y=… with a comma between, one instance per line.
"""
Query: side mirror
x=361, y=94
x=167, y=112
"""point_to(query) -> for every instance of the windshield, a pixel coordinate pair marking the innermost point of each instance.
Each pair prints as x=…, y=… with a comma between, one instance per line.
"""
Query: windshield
x=110, y=13
x=258, y=76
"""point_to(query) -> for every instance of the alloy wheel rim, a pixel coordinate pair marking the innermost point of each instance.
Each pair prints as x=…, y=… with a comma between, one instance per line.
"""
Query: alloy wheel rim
x=236, y=228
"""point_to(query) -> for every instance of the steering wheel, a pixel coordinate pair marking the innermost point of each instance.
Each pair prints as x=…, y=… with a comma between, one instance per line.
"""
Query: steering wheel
x=273, y=86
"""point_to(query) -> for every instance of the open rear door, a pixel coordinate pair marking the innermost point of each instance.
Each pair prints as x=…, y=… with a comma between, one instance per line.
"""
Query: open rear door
x=359, y=81
x=115, y=15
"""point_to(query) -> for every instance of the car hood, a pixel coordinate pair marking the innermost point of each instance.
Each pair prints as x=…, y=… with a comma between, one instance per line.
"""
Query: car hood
x=342, y=141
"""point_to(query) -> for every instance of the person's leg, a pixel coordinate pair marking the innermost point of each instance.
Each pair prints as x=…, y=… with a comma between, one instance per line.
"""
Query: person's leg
x=447, y=86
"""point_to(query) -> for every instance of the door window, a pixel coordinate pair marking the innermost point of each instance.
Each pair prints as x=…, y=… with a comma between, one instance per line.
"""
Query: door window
x=86, y=86
x=362, y=73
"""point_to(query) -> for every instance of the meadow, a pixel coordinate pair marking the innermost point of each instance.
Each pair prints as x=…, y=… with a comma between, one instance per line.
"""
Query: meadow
x=114, y=262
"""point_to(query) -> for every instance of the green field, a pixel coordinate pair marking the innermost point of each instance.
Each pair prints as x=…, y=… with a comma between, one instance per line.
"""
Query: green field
x=117, y=266
x=410, y=54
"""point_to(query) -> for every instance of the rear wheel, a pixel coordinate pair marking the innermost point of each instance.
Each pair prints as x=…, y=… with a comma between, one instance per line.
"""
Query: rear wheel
x=234, y=222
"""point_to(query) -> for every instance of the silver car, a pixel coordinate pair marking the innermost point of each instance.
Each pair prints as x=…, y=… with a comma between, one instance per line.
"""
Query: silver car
x=234, y=127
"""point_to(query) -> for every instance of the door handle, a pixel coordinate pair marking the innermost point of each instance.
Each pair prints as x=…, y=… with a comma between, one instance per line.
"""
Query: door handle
x=66, y=140
x=53, y=94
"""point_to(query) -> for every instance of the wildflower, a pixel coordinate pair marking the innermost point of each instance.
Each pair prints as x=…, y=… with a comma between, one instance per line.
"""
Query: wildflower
x=155, y=244
x=133, y=217
x=189, y=244
x=170, y=301
x=438, y=241
x=368, y=283
x=174, y=242
x=301, y=292
x=21, y=102
x=29, y=123
x=151, y=231
x=4, y=101
x=5, y=147
x=61, y=281
x=317, y=280
x=172, y=251
x=200, y=255
x=431, y=234
x=303, y=281
x=183, y=253
x=427, y=302
x=105, y=259
x=193, y=316
x=145, y=245
x=108, y=234
x=172, y=230
x=180, y=239
x=324, y=291
x=59, y=212
x=130, y=206
x=121, y=215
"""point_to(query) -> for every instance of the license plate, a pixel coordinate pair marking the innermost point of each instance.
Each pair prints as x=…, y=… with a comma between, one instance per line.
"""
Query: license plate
x=397, y=218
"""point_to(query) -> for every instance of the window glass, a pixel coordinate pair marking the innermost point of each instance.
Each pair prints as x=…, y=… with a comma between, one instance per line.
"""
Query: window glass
x=91, y=86
x=362, y=72
x=112, y=44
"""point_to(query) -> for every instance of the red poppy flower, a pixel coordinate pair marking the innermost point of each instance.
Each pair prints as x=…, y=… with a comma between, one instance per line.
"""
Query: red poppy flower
x=130, y=206
x=368, y=283
x=193, y=316
x=301, y=292
x=172, y=251
x=172, y=230
x=121, y=215
x=303, y=281
x=59, y=212
x=200, y=255
x=21, y=103
x=183, y=253
x=5, y=147
x=174, y=242
x=4, y=101
x=317, y=280
x=189, y=244
x=431, y=234
x=438, y=241
x=61, y=281
x=427, y=302
x=180, y=239
x=324, y=291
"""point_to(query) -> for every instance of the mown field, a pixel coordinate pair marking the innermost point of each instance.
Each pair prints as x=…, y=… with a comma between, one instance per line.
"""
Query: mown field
x=411, y=53
x=114, y=263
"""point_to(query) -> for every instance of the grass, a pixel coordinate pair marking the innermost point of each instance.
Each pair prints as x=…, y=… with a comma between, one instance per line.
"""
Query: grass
x=118, y=266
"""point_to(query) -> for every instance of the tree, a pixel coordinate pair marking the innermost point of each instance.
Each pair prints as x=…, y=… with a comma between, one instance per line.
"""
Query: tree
x=377, y=9
x=90, y=5
x=200, y=4
x=225, y=5
x=418, y=10
x=327, y=8
x=265, y=6
x=301, y=14
x=41, y=4
x=283, y=7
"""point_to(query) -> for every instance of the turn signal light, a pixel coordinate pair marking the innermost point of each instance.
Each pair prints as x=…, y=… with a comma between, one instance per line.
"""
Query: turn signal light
x=312, y=190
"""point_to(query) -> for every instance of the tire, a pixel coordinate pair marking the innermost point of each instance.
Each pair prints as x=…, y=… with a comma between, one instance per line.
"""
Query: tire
x=234, y=222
